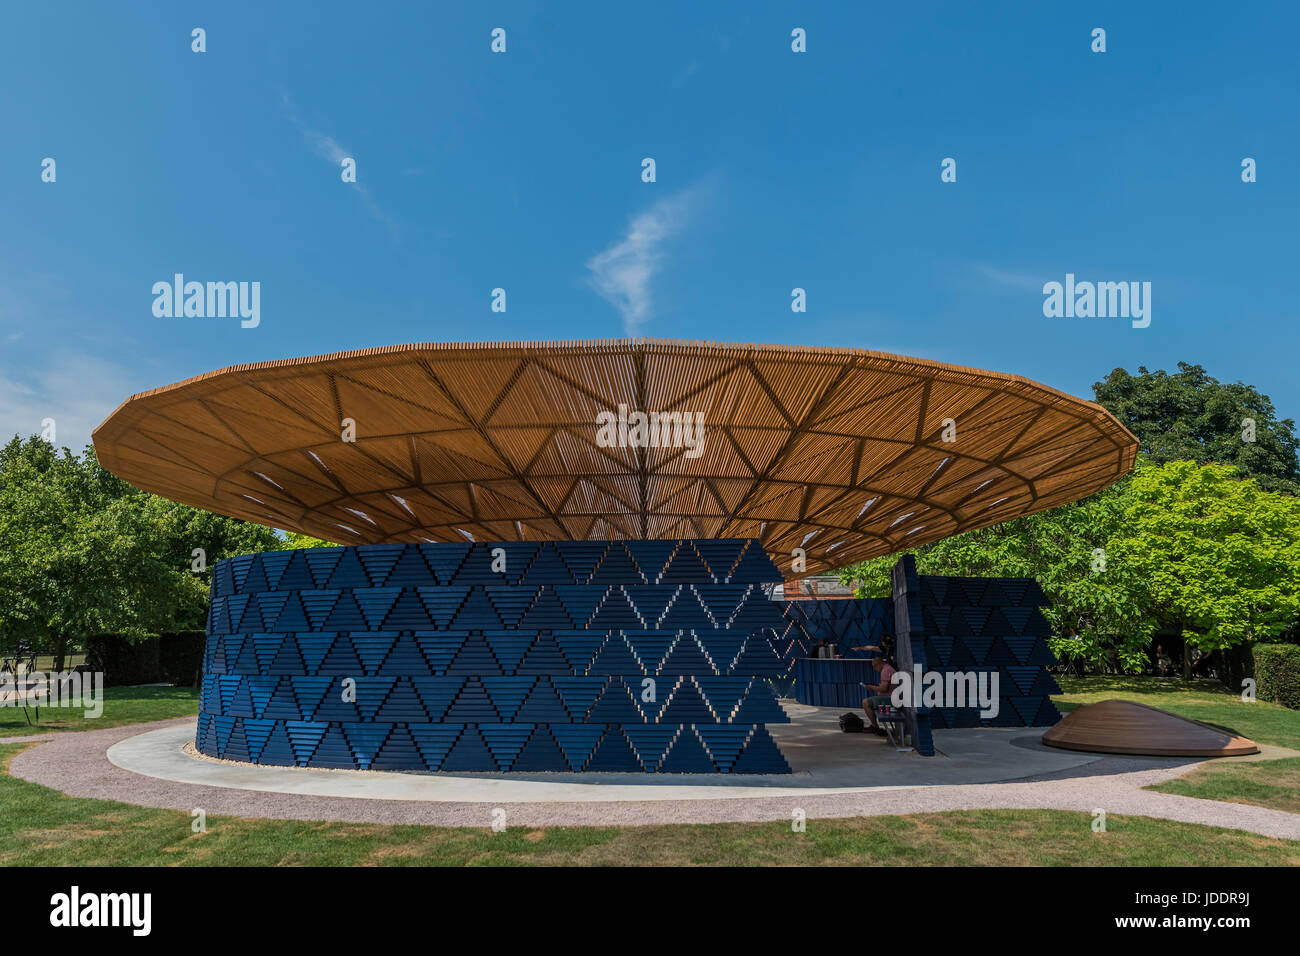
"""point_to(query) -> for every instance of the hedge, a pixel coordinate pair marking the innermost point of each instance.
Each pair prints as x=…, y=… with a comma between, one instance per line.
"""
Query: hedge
x=1277, y=674
x=180, y=657
x=173, y=658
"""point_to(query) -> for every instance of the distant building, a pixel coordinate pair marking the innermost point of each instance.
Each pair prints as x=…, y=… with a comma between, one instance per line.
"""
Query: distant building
x=821, y=586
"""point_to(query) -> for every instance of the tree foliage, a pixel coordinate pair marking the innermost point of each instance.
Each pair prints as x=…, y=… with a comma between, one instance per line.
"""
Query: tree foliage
x=1218, y=557
x=1185, y=542
x=1191, y=416
x=296, y=539
x=83, y=552
x=1191, y=547
x=1093, y=604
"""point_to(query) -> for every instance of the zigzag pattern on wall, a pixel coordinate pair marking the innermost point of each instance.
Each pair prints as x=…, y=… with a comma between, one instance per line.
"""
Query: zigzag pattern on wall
x=713, y=561
x=991, y=624
x=846, y=623
x=513, y=746
x=564, y=699
x=639, y=656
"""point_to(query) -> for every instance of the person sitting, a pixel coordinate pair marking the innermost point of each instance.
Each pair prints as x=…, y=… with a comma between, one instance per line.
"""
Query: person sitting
x=882, y=691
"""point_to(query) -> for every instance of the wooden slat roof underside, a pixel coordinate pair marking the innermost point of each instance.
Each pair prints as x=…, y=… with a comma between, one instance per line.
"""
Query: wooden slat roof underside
x=839, y=451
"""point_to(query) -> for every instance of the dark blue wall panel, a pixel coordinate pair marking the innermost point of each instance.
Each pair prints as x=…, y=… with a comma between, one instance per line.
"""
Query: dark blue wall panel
x=844, y=623
x=641, y=656
x=994, y=625
x=952, y=624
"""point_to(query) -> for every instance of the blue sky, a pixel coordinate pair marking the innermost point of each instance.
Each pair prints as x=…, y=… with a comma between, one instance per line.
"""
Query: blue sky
x=522, y=170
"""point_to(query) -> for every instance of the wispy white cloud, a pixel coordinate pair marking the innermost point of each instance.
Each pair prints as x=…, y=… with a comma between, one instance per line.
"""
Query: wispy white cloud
x=329, y=149
x=622, y=273
x=685, y=73
x=78, y=391
x=1013, y=280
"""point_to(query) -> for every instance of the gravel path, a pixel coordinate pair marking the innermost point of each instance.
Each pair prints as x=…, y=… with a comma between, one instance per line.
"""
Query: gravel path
x=75, y=763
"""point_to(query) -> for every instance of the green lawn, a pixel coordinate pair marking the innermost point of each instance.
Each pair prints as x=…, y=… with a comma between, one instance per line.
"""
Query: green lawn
x=41, y=827
x=122, y=705
x=1203, y=700
x=45, y=663
x=1264, y=783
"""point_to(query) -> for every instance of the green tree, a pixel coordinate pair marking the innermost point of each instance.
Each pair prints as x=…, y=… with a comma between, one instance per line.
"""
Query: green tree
x=182, y=530
x=1097, y=609
x=82, y=552
x=1193, y=417
x=1219, y=556
x=77, y=556
x=296, y=539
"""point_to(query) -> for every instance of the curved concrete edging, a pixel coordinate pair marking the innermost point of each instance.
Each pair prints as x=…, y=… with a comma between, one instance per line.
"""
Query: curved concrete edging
x=160, y=754
x=79, y=764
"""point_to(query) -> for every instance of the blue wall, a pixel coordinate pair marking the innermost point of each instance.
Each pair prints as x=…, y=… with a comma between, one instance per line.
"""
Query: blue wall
x=966, y=624
x=845, y=623
x=942, y=624
x=458, y=666
x=991, y=624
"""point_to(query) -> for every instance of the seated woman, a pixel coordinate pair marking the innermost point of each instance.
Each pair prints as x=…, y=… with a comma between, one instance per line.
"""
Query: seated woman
x=883, y=690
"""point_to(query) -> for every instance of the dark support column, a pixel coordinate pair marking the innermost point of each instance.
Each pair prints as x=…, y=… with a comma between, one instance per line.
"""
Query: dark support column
x=909, y=642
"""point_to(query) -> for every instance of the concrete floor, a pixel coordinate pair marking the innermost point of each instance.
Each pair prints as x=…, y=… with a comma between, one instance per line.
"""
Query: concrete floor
x=824, y=761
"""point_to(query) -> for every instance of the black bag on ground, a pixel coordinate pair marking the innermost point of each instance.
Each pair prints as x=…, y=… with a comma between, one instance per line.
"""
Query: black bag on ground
x=851, y=723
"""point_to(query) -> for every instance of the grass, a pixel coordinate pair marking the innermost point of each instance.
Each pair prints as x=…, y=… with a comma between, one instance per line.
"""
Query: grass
x=1204, y=700
x=42, y=827
x=122, y=705
x=45, y=662
x=1264, y=783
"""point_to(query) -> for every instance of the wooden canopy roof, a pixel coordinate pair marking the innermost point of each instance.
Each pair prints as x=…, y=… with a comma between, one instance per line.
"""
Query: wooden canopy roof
x=839, y=451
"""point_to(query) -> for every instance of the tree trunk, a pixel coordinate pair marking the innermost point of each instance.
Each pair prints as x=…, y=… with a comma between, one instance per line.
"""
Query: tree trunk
x=1187, y=660
x=60, y=652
